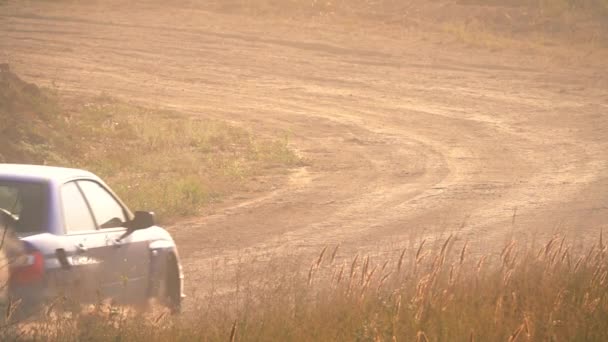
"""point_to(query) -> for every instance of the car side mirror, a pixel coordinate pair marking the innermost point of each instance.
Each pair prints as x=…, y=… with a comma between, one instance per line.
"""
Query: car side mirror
x=141, y=220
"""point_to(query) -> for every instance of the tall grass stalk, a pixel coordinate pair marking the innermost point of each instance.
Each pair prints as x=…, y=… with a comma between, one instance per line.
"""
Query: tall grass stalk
x=520, y=294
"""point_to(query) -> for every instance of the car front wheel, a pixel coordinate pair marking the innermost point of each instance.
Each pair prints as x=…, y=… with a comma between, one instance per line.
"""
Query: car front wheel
x=172, y=295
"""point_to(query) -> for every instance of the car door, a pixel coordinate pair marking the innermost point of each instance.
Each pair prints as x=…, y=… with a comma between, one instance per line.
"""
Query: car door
x=83, y=246
x=127, y=258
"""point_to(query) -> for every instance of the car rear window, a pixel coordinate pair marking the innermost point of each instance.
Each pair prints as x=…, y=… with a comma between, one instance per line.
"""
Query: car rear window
x=26, y=204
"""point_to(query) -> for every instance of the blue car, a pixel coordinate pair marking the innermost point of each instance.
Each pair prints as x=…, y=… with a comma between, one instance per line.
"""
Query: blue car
x=65, y=233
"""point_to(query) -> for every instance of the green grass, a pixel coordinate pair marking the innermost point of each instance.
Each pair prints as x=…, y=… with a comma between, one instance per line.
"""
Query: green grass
x=435, y=291
x=167, y=162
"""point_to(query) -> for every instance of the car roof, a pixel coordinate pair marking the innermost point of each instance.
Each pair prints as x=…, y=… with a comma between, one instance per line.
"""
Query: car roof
x=16, y=172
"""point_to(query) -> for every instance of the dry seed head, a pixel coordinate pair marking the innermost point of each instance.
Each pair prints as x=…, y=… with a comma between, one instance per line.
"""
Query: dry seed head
x=514, y=298
x=400, y=263
x=527, y=326
x=561, y=244
x=320, y=259
x=514, y=216
x=349, y=289
x=452, y=278
x=384, y=265
x=565, y=256
x=589, y=256
x=340, y=273
x=507, y=255
x=383, y=279
x=559, y=300
x=364, y=270
x=578, y=263
x=480, y=264
x=554, y=257
x=335, y=252
x=310, y=272
x=371, y=274
x=597, y=275
x=12, y=306
x=549, y=245
x=440, y=259
x=419, y=313
x=505, y=248
x=362, y=294
x=353, y=265
x=419, y=250
x=603, y=278
x=498, y=311
x=421, y=337
x=49, y=310
x=233, y=332
x=515, y=335
x=421, y=288
x=540, y=253
x=161, y=316
x=463, y=251
x=421, y=258
x=397, y=307
x=448, y=299
x=436, y=262
x=592, y=305
x=445, y=244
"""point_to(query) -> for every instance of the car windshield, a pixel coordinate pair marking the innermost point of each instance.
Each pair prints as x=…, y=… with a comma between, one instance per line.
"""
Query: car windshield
x=23, y=206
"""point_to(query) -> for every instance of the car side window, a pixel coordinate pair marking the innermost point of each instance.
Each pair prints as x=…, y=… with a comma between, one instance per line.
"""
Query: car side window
x=76, y=214
x=107, y=211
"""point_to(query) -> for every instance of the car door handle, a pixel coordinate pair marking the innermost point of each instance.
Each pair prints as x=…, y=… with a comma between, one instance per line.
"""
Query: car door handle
x=117, y=242
x=81, y=248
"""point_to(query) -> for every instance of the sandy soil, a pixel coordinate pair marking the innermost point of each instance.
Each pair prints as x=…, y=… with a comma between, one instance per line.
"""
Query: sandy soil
x=404, y=137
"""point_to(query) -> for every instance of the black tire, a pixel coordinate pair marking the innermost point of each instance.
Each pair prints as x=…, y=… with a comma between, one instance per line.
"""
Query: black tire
x=173, y=295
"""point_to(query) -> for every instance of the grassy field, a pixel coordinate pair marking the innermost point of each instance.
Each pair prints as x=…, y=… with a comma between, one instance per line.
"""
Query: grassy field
x=434, y=291
x=156, y=160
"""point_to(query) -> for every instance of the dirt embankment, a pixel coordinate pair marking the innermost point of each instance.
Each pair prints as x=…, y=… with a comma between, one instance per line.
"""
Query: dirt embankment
x=406, y=137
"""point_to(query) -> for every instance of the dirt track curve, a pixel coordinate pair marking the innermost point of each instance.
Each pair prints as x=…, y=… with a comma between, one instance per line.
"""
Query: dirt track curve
x=404, y=138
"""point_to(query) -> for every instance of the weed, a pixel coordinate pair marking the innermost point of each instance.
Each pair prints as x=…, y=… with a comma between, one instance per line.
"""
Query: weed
x=156, y=160
x=533, y=294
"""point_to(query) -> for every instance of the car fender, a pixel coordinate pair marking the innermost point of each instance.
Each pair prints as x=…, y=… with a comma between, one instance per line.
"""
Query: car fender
x=159, y=252
x=162, y=245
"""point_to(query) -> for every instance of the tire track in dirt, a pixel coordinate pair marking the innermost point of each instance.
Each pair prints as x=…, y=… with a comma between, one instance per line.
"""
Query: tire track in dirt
x=406, y=139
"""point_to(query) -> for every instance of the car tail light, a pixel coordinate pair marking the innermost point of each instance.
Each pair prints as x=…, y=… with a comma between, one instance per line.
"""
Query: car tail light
x=27, y=268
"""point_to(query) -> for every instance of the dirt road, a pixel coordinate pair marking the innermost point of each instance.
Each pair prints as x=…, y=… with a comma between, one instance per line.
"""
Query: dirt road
x=404, y=138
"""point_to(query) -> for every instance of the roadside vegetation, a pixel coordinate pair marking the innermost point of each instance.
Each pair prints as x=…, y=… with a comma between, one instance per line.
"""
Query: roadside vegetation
x=566, y=31
x=433, y=291
x=171, y=163
x=516, y=14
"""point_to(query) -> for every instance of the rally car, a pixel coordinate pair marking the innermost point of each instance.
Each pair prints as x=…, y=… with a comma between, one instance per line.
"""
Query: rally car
x=66, y=234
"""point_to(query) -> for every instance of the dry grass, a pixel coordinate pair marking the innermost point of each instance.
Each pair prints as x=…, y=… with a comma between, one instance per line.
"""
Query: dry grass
x=547, y=292
x=571, y=31
x=533, y=11
x=156, y=160
x=172, y=164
